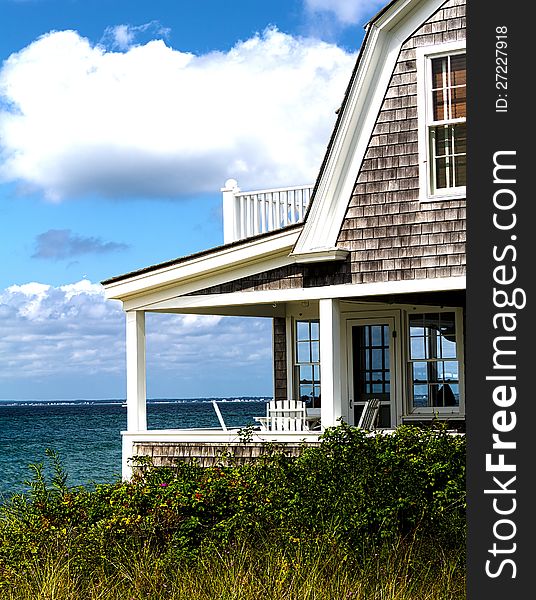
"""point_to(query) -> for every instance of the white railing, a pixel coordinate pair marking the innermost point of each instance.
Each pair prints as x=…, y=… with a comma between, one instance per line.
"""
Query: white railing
x=249, y=213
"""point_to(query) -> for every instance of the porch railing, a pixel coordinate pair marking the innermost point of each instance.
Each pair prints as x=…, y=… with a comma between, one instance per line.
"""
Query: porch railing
x=249, y=213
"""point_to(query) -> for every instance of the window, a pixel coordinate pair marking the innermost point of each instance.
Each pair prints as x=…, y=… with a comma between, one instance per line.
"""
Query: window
x=434, y=362
x=443, y=139
x=307, y=365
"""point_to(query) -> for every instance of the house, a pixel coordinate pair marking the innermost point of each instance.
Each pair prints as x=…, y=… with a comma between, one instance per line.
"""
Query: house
x=362, y=274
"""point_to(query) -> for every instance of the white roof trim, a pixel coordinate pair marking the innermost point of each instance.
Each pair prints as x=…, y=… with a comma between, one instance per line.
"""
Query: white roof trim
x=378, y=59
x=198, y=267
x=302, y=294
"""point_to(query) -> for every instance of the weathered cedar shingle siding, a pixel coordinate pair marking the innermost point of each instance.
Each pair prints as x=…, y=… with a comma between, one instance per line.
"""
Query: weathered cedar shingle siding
x=280, y=358
x=391, y=236
x=389, y=233
x=283, y=278
x=169, y=454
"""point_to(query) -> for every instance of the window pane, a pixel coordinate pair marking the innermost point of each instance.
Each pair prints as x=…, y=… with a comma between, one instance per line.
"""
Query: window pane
x=448, y=348
x=306, y=392
x=458, y=97
x=441, y=173
x=441, y=140
x=304, y=354
x=420, y=396
x=419, y=372
x=315, y=330
x=376, y=331
x=439, y=68
x=377, y=376
x=435, y=395
x=377, y=356
x=417, y=348
x=315, y=401
x=440, y=105
x=315, y=351
x=451, y=370
x=302, y=330
x=316, y=372
x=460, y=139
x=306, y=374
x=458, y=74
x=461, y=170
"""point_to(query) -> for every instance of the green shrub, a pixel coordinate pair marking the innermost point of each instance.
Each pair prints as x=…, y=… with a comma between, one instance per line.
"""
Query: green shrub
x=355, y=491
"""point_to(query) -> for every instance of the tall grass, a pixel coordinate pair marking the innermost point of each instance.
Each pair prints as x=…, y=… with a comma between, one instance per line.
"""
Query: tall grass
x=311, y=570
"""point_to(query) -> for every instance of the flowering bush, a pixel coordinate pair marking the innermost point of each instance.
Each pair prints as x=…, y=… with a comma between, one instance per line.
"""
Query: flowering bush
x=355, y=489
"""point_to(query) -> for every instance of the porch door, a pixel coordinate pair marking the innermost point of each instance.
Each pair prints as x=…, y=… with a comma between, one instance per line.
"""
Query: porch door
x=371, y=368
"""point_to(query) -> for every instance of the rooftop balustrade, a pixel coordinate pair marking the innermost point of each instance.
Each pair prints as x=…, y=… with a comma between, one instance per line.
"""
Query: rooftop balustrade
x=246, y=214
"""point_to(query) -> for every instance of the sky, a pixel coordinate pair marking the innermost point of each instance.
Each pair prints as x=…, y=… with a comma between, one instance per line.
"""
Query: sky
x=119, y=123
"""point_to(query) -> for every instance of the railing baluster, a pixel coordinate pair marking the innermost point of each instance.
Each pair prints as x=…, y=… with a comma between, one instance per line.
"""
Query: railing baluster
x=248, y=216
x=270, y=209
x=242, y=217
x=256, y=208
x=263, y=211
x=262, y=203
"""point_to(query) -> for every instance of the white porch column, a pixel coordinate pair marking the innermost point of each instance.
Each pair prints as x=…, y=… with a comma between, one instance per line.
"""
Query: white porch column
x=330, y=361
x=231, y=230
x=136, y=380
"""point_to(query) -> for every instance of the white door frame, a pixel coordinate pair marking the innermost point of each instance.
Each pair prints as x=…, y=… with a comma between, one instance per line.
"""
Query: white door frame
x=393, y=319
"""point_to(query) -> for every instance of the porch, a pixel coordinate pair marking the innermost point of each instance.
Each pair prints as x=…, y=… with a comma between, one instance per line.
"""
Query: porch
x=330, y=354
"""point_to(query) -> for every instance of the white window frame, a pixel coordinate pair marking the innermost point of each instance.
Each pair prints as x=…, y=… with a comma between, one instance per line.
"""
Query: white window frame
x=437, y=411
x=296, y=363
x=424, y=57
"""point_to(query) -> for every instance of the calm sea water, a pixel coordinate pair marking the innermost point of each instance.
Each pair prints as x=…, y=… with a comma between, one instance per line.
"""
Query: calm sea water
x=86, y=435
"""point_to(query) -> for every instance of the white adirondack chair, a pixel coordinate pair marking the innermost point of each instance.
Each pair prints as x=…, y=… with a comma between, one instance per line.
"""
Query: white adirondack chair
x=369, y=416
x=284, y=415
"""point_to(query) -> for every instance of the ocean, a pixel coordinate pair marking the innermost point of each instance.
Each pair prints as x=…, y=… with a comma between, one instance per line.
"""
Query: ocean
x=86, y=433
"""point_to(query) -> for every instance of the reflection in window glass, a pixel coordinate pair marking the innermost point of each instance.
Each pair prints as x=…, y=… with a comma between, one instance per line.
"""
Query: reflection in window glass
x=304, y=352
x=302, y=331
x=308, y=362
x=435, y=381
x=447, y=126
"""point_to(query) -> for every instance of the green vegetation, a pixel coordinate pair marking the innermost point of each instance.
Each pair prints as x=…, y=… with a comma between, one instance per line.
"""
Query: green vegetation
x=380, y=517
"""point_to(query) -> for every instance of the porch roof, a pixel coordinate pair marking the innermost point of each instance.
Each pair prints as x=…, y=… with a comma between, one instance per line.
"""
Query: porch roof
x=202, y=253
x=209, y=267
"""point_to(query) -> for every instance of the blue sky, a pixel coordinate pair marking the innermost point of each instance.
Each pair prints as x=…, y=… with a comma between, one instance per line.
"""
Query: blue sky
x=119, y=123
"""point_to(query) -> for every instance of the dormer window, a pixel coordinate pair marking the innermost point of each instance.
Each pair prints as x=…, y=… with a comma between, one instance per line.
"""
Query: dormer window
x=442, y=122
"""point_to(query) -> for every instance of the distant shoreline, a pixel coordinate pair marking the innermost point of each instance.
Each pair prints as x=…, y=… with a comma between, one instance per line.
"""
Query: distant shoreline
x=120, y=402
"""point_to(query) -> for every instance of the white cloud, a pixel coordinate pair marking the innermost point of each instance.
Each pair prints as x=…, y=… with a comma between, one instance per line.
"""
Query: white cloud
x=123, y=37
x=67, y=340
x=153, y=121
x=347, y=12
